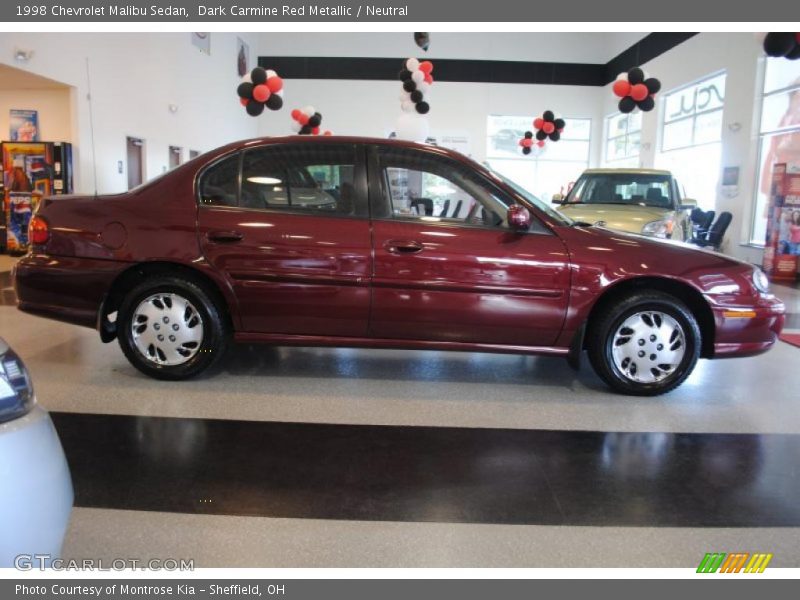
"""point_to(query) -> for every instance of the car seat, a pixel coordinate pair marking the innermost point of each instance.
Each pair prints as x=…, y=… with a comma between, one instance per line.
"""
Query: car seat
x=656, y=197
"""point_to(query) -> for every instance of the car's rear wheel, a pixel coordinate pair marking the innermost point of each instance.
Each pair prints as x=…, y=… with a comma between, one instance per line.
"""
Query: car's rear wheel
x=645, y=344
x=171, y=328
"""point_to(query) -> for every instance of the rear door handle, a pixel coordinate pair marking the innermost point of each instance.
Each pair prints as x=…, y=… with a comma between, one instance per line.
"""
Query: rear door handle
x=225, y=236
x=403, y=246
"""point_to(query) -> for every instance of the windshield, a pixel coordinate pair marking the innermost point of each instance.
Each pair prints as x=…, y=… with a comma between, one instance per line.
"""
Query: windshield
x=632, y=189
x=530, y=198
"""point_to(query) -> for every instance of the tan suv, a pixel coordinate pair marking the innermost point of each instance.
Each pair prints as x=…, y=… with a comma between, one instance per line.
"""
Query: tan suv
x=645, y=201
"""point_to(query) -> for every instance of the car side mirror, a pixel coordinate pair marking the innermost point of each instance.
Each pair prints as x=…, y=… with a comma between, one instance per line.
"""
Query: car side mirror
x=557, y=199
x=688, y=204
x=518, y=217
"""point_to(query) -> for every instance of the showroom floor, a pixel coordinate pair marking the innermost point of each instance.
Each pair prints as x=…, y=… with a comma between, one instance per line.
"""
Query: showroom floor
x=315, y=457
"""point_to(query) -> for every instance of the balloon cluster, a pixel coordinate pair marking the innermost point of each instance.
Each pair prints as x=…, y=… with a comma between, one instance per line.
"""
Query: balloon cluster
x=260, y=88
x=636, y=89
x=307, y=121
x=782, y=44
x=548, y=126
x=417, y=80
x=528, y=143
x=422, y=39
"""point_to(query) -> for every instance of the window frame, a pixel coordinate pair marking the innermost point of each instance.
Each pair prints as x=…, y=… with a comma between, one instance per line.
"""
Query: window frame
x=361, y=200
x=626, y=136
x=693, y=117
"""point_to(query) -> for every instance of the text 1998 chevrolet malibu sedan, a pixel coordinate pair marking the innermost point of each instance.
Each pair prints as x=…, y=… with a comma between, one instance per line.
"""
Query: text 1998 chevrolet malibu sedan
x=347, y=241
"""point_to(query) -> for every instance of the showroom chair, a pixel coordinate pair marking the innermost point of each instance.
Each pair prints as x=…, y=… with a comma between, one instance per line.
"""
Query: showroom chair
x=701, y=222
x=445, y=208
x=425, y=203
x=457, y=209
x=716, y=233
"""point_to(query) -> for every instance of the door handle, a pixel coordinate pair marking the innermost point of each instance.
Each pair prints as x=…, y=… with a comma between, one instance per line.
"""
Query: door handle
x=224, y=236
x=403, y=246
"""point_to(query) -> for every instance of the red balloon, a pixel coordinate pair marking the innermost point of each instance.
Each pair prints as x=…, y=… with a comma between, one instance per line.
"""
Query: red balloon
x=527, y=142
x=296, y=114
x=315, y=131
x=328, y=133
x=243, y=101
x=303, y=118
x=428, y=78
x=426, y=66
x=522, y=142
x=540, y=143
x=548, y=127
x=275, y=84
x=538, y=122
x=621, y=88
x=639, y=92
x=261, y=93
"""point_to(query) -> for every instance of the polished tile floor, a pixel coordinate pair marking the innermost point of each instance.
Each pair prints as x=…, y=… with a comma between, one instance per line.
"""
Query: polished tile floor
x=75, y=373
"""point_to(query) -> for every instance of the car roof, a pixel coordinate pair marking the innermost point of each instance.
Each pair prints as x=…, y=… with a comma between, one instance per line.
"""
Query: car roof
x=629, y=171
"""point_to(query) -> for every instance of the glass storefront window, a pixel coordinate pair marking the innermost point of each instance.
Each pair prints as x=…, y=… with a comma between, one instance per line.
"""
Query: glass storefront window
x=623, y=135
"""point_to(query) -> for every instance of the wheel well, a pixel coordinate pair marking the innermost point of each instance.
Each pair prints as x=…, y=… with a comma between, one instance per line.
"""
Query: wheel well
x=687, y=294
x=137, y=273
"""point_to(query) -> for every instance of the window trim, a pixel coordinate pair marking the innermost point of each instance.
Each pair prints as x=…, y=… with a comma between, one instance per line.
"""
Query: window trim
x=664, y=122
x=609, y=138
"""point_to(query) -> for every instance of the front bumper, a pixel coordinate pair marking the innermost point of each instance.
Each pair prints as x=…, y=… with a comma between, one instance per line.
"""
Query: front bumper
x=36, y=498
x=747, y=330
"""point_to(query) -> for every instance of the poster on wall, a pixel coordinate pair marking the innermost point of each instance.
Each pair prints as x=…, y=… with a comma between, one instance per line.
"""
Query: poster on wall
x=202, y=41
x=23, y=125
x=27, y=178
x=782, y=244
x=242, y=57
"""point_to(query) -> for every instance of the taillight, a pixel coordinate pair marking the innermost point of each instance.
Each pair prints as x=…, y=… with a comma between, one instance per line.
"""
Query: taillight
x=38, y=232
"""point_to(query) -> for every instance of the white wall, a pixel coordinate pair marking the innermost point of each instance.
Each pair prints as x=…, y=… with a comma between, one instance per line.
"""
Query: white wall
x=740, y=55
x=54, y=106
x=134, y=78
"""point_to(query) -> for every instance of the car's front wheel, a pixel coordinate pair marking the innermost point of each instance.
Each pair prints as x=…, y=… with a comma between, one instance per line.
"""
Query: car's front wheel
x=171, y=328
x=645, y=344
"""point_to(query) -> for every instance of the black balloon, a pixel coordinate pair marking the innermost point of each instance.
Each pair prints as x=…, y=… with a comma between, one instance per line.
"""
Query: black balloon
x=526, y=150
x=274, y=102
x=315, y=120
x=541, y=135
x=405, y=75
x=258, y=75
x=548, y=116
x=528, y=135
x=416, y=96
x=635, y=75
x=559, y=123
x=779, y=44
x=409, y=85
x=653, y=85
x=627, y=104
x=422, y=39
x=245, y=90
x=555, y=136
x=254, y=108
x=305, y=130
x=647, y=104
x=422, y=107
x=794, y=54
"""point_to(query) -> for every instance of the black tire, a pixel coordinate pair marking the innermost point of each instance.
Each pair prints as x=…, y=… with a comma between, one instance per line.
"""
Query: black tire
x=612, y=315
x=215, y=324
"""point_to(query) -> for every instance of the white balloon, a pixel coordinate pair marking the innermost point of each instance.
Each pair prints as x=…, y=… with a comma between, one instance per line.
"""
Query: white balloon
x=412, y=64
x=279, y=93
x=296, y=127
x=271, y=73
x=622, y=76
x=309, y=110
x=412, y=126
x=247, y=78
x=407, y=106
x=418, y=77
x=404, y=96
x=424, y=87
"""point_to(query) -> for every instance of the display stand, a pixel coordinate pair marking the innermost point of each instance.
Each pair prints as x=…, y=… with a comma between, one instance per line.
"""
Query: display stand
x=782, y=244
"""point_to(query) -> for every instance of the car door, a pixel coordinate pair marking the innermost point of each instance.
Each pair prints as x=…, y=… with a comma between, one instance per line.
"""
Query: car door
x=467, y=279
x=287, y=225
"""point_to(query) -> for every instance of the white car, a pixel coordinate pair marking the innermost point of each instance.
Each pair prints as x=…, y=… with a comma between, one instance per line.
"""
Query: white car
x=35, y=485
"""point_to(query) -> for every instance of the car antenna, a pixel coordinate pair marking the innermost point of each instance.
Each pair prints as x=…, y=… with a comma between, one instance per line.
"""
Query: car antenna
x=91, y=124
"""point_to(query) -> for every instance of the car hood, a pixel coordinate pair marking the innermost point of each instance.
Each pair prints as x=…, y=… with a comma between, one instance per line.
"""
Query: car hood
x=615, y=216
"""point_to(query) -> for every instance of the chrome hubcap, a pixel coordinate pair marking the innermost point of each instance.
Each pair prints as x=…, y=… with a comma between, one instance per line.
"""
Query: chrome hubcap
x=167, y=329
x=648, y=347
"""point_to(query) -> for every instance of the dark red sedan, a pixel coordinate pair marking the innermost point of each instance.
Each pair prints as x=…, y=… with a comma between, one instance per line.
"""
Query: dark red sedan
x=344, y=241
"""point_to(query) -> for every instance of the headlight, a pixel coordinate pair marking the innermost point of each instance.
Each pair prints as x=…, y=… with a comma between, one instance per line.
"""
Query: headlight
x=661, y=228
x=16, y=391
x=761, y=281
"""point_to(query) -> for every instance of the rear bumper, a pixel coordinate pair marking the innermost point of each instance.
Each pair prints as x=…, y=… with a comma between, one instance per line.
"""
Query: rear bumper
x=64, y=288
x=37, y=498
x=748, y=330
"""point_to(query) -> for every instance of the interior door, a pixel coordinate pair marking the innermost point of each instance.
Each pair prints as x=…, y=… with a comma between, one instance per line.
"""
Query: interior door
x=135, y=158
x=287, y=225
x=461, y=279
